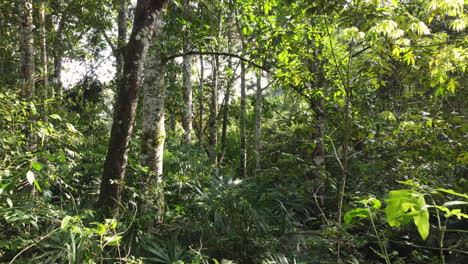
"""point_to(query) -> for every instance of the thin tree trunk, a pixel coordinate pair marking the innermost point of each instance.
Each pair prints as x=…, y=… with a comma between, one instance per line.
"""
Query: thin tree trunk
x=258, y=120
x=153, y=131
x=121, y=37
x=146, y=14
x=58, y=52
x=316, y=67
x=172, y=111
x=319, y=152
x=347, y=122
x=243, y=147
x=25, y=13
x=200, y=103
x=226, y=112
x=44, y=60
x=187, y=78
x=213, y=120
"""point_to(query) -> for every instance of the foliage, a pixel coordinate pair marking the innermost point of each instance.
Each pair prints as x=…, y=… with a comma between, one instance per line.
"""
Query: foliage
x=381, y=86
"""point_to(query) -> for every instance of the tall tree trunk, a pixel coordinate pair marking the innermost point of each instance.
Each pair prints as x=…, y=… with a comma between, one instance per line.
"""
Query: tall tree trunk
x=146, y=14
x=25, y=13
x=319, y=140
x=226, y=100
x=200, y=104
x=121, y=38
x=258, y=120
x=44, y=60
x=213, y=120
x=153, y=131
x=58, y=52
x=187, y=78
x=243, y=147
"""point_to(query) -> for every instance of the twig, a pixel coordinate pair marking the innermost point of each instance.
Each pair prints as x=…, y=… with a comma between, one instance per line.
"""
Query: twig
x=32, y=245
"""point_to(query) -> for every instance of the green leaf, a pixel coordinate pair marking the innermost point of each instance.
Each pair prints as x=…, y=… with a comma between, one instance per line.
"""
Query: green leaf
x=449, y=191
x=37, y=166
x=9, y=202
x=376, y=204
x=71, y=128
x=38, y=187
x=404, y=205
x=30, y=176
x=100, y=229
x=358, y=212
x=421, y=220
x=55, y=116
x=113, y=240
x=65, y=222
x=453, y=203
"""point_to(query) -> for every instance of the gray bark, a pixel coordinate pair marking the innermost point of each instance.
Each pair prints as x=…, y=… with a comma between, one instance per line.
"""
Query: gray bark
x=153, y=131
x=243, y=147
x=44, y=59
x=58, y=52
x=25, y=13
x=187, y=116
x=258, y=120
x=146, y=14
x=319, y=152
x=226, y=100
x=317, y=105
x=121, y=37
x=200, y=104
x=213, y=120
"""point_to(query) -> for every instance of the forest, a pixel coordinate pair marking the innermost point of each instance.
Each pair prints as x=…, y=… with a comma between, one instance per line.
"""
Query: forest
x=233, y=131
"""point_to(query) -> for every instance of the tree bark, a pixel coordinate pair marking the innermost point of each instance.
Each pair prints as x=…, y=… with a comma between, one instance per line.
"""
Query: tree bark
x=25, y=13
x=200, y=104
x=146, y=13
x=44, y=59
x=153, y=131
x=121, y=38
x=243, y=147
x=58, y=52
x=226, y=100
x=316, y=67
x=319, y=152
x=258, y=120
x=187, y=78
x=213, y=120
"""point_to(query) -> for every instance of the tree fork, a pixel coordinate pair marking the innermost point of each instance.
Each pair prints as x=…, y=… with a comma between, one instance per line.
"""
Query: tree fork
x=146, y=13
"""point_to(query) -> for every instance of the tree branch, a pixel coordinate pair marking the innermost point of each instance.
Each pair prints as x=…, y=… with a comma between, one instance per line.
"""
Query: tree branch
x=109, y=41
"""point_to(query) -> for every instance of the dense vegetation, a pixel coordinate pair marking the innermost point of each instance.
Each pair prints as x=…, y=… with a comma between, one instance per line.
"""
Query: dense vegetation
x=266, y=131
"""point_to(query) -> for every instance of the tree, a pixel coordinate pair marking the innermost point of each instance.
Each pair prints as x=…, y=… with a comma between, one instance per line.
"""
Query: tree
x=146, y=14
x=258, y=120
x=121, y=38
x=153, y=130
x=200, y=104
x=44, y=58
x=213, y=117
x=25, y=14
x=187, y=78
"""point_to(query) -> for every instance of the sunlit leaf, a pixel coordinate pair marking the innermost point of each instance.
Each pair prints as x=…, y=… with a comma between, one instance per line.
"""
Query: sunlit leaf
x=30, y=177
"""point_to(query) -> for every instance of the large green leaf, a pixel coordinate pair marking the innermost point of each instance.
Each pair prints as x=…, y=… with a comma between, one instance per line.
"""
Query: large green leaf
x=406, y=205
x=358, y=212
